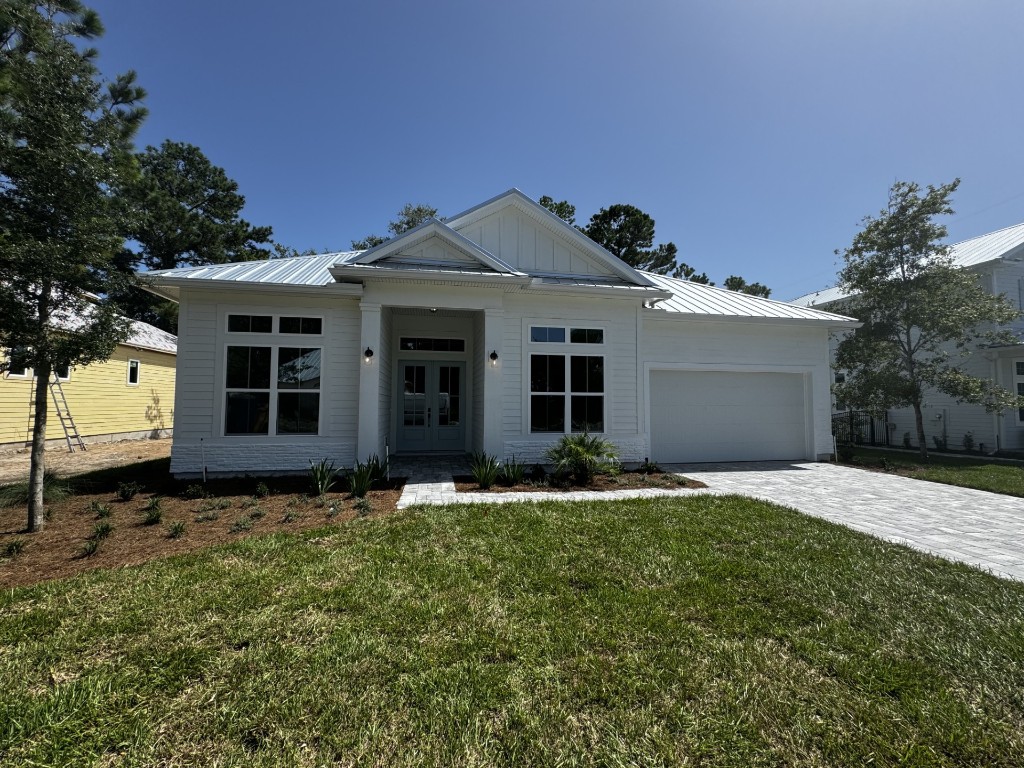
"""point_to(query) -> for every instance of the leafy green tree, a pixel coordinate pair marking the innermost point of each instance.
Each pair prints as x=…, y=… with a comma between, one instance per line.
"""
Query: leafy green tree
x=409, y=217
x=628, y=233
x=187, y=213
x=563, y=209
x=922, y=314
x=737, y=283
x=65, y=145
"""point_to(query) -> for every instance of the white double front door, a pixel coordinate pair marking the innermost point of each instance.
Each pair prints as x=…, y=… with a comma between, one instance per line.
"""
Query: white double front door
x=431, y=406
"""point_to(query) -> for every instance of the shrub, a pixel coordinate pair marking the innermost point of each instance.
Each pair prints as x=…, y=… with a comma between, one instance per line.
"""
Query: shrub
x=290, y=516
x=968, y=442
x=484, y=468
x=360, y=480
x=378, y=469
x=845, y=451
x=906, y=440
x=262, y=490
x=128, y=490
x=14, y=548
x=206, y=506
x=649, y=468
x=176, y=529
x=241, y=524
x=537, y=474
x=207, y=517
x=101, y=530
x=55, y=489
x=363, y=507
x=89, y=548
x=512, y=472
x=153, y=513
x=101, y=510
x=323, y=474
x=940, y=442
x=257, y=513
x=196, y=491
x=582, y=456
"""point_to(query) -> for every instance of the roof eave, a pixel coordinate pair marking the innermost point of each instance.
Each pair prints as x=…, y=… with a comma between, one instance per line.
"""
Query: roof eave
x=838, y=322
x=163, y=286
x=351, y=272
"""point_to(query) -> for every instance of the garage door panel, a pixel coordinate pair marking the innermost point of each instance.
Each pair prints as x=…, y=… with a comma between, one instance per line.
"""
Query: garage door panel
x=727, y=416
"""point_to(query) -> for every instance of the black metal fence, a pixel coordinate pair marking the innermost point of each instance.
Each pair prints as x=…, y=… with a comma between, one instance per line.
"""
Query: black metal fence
x=860, y=427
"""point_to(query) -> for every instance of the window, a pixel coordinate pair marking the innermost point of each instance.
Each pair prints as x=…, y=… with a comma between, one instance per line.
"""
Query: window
x=63, y=371
x=304, y=325
x=431, y=345
x=133, y=373
x=1018, y=378
x=586, y=336
x=293, y=394
x=250, y=323
x=545, y=334
x=17, y=362
x=552, y=405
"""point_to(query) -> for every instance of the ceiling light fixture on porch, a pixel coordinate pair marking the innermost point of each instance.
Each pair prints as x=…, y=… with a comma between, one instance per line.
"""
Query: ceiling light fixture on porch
x=494, y=357
x=367, y=355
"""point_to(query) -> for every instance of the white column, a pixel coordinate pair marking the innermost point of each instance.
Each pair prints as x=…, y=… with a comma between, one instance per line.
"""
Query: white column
x=494, y=333
x=369, y=383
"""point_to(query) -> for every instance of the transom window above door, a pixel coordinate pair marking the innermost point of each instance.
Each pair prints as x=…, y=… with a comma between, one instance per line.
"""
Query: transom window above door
x=426, y=344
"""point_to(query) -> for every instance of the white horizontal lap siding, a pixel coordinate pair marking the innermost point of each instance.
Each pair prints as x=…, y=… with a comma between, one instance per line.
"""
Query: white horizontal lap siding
x=513, y=418
x=199, y=397
x=681, y=344
x=1009, y=280
x=476, y=370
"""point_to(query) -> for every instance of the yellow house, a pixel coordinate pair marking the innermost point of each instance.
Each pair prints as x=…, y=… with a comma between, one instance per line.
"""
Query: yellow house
x=129, y=396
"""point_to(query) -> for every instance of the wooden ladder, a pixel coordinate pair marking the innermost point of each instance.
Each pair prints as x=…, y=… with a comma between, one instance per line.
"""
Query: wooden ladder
x=60, y=403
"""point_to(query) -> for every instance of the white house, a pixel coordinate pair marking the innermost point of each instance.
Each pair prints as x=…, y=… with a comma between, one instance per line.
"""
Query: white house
x=998, y=260
x=498, y=330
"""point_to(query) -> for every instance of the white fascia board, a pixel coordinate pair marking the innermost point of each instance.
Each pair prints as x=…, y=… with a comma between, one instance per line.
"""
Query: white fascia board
x=839, y=322
x=537, y=285
x=435, y=228
x=545, y=217
x=344, y=272
x=183, y=283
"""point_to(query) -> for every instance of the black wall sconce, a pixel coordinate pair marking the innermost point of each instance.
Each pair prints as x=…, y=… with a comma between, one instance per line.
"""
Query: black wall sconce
x=368, y=356
x=494, y=357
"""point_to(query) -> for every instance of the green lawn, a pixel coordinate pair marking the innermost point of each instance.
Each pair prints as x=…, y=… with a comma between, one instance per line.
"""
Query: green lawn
x=704, y=631
x=979, y=473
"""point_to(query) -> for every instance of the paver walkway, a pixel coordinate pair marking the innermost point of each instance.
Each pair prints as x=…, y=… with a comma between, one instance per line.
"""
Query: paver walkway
x=975, y=527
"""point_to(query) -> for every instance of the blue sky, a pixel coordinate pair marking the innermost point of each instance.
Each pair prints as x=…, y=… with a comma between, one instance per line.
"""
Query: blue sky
x=757, y=134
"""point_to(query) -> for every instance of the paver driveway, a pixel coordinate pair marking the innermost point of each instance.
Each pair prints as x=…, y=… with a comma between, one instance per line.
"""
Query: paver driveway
x=975, y=527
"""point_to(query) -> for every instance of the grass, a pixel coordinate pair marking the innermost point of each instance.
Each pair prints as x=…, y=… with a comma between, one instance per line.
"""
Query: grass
x=714, y=631
x=55, y=488
x=980, y=474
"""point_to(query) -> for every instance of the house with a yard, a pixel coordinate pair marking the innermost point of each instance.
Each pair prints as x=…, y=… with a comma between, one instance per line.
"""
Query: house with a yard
x=997, y=259
x=128, y=396
x=499, y=330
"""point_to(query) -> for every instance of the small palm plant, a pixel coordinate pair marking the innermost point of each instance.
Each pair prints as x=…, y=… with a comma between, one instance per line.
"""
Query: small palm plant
x=484, y=468
x=582, y=456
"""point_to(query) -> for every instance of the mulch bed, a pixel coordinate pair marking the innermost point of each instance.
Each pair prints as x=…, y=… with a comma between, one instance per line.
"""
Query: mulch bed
x=56, y=551
x=622, y=481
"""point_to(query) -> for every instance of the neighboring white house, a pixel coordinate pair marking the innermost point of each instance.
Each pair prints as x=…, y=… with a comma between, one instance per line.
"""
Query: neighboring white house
x=998, y=260
x=499, y=330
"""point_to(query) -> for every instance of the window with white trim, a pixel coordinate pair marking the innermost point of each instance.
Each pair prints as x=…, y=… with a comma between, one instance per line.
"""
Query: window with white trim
x=133, y=373
x=566, y=390
x=17, y=363
x=259, y=403
x=250, y=323
x=1018, y=380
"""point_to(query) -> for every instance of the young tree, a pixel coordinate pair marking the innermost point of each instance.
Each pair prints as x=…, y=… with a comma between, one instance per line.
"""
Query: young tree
x=684, y=271
x=409, y=217
x=922, y=315
x=187, y=213
x=65, y=144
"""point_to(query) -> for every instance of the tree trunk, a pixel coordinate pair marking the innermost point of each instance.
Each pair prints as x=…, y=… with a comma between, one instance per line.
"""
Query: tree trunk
x=36, y=518
x=922, y=441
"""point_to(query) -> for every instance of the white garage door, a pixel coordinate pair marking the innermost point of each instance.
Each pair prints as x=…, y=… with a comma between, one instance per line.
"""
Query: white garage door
x=726, y=416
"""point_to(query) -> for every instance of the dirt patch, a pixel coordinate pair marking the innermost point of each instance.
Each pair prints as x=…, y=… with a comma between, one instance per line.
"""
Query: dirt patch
x=619, y=482
x=232, y=512
x=14, y=466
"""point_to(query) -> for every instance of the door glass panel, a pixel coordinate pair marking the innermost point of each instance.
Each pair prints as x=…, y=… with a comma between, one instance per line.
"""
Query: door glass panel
x=449, y=396
x=415, y=398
